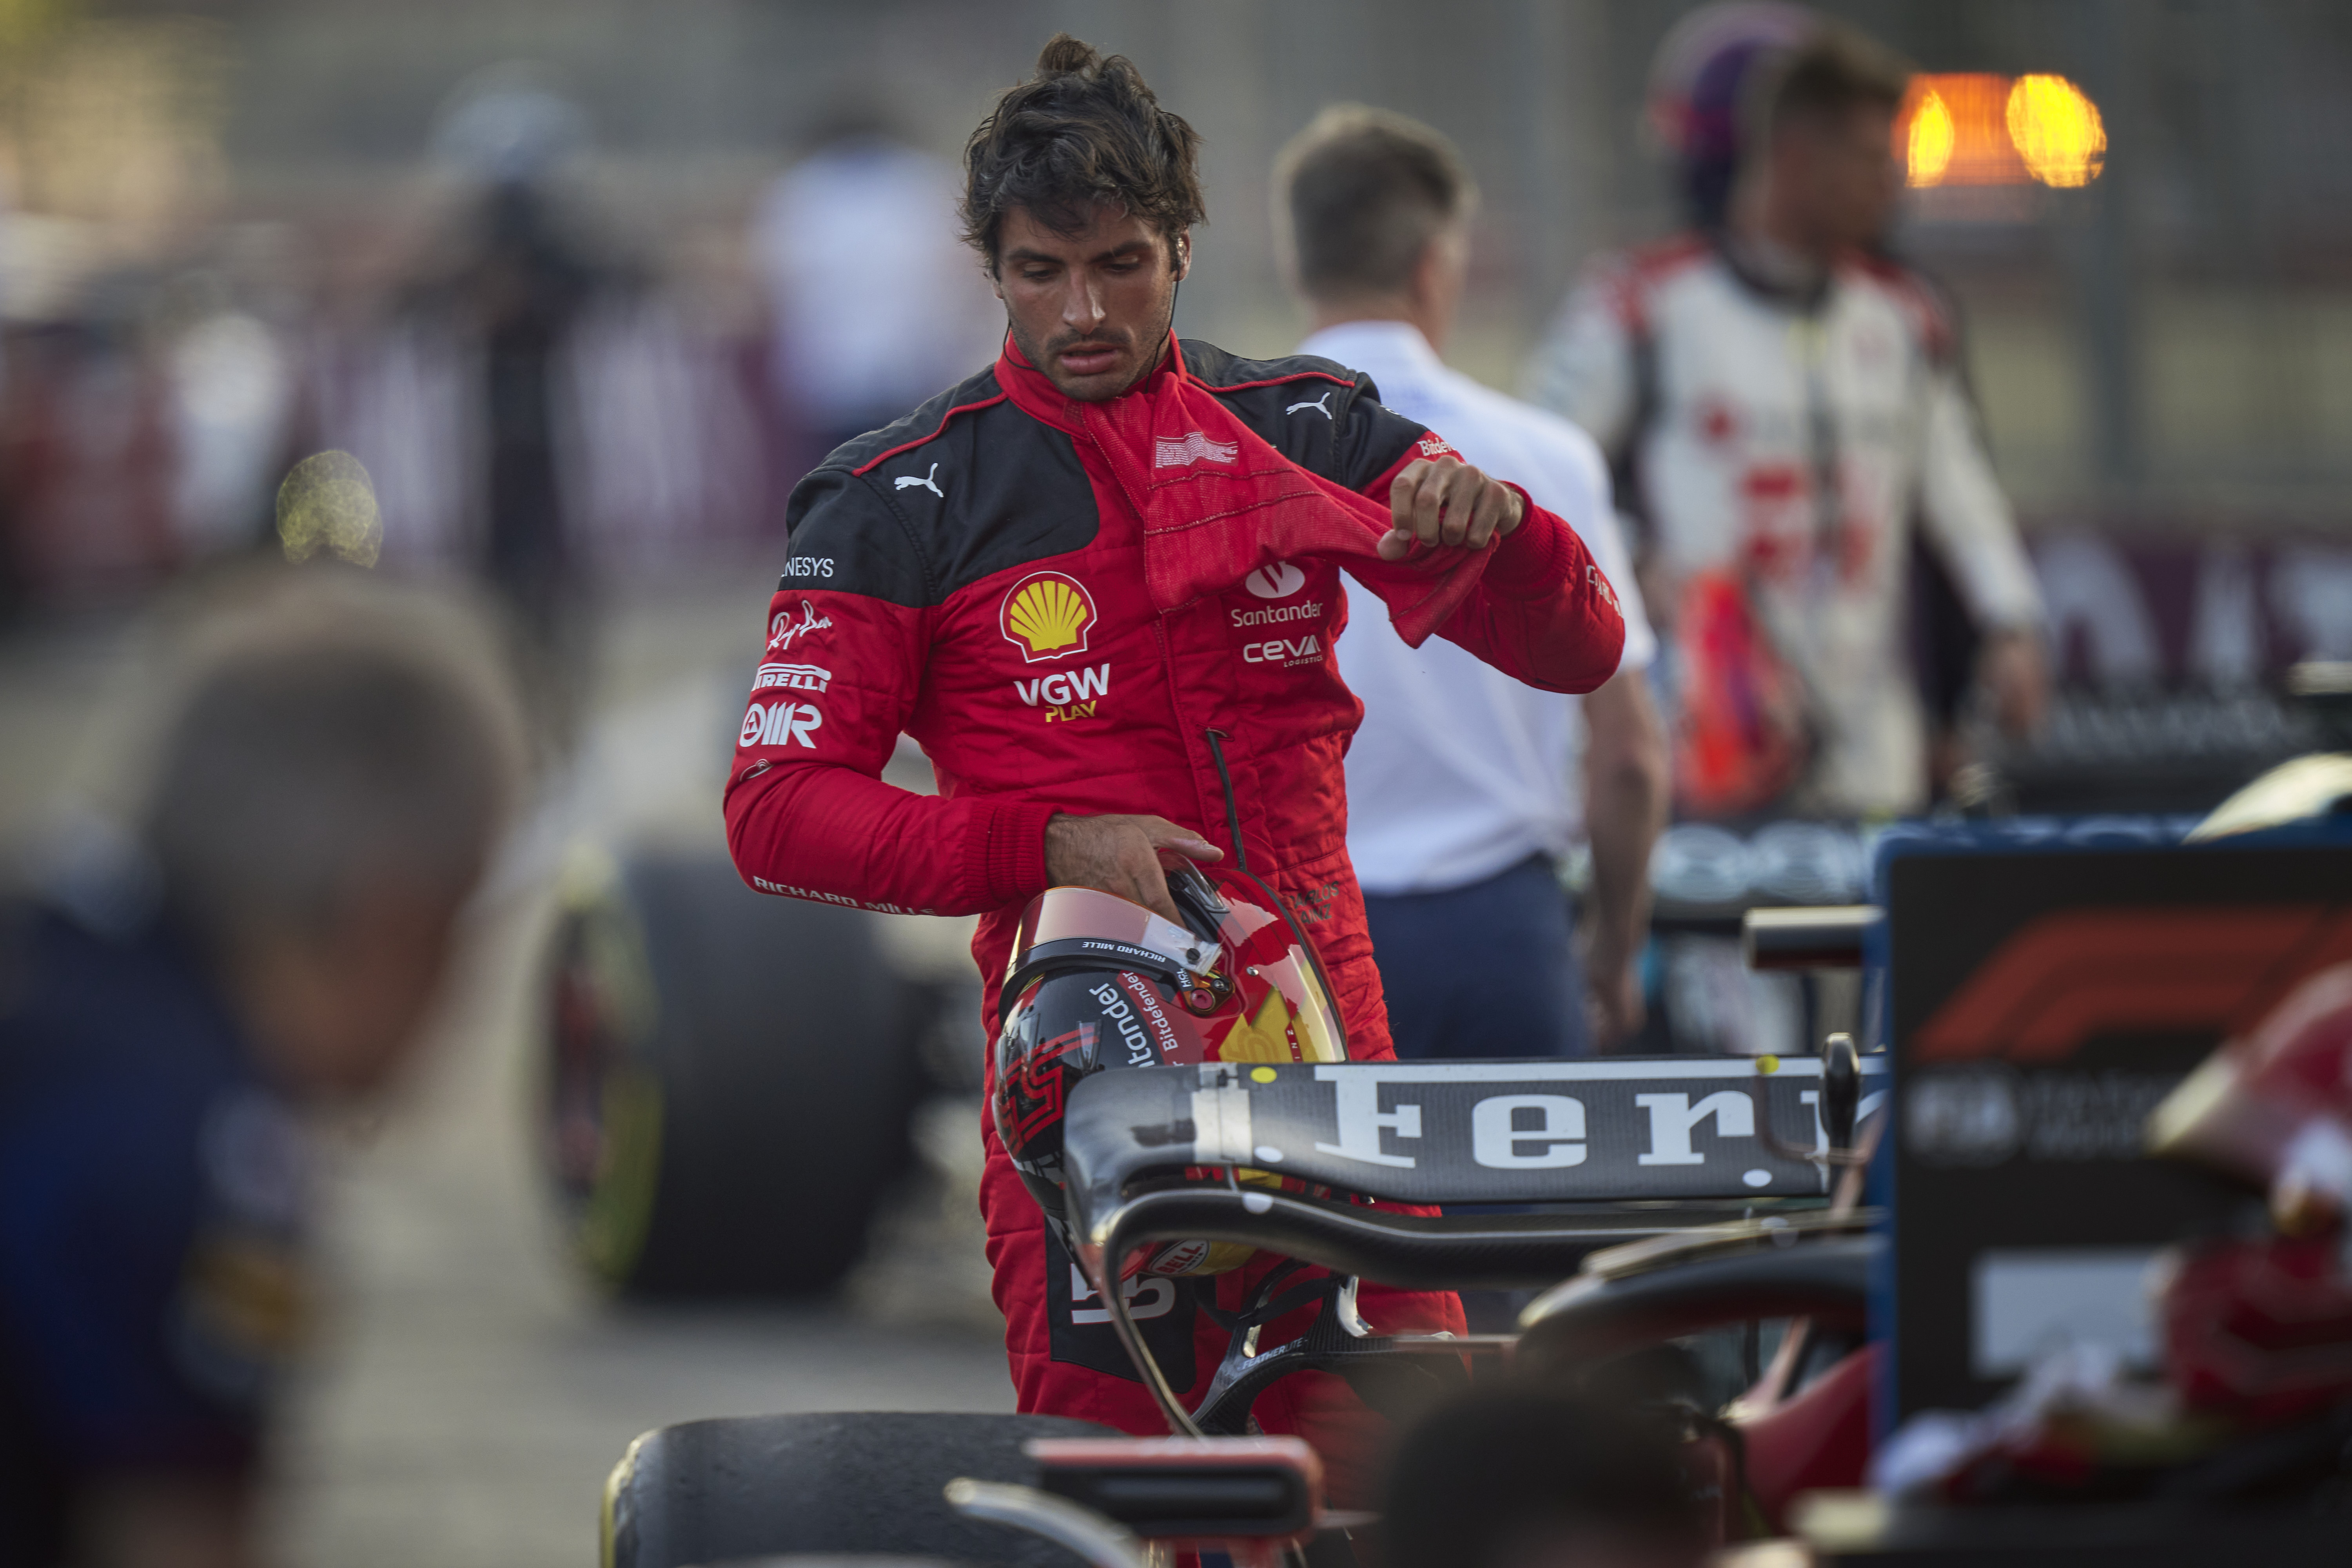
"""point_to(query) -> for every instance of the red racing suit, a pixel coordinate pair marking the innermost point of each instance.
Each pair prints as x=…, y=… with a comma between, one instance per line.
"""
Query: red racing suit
x=975, y=577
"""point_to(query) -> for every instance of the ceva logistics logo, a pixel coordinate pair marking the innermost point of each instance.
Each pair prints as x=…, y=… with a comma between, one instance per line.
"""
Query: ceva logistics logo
x=1047, y=616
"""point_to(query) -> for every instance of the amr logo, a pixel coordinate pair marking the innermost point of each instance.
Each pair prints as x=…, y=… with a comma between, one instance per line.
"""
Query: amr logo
x=910, y=482
x=1321, y=406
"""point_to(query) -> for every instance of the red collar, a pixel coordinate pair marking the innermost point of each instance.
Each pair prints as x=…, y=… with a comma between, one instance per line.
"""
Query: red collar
x=1033, y=391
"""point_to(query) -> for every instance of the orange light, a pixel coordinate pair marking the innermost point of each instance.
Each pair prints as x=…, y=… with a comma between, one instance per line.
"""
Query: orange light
x=2057, y=131
x=1928, y=146
x=1972, y=128
x=1950, y=131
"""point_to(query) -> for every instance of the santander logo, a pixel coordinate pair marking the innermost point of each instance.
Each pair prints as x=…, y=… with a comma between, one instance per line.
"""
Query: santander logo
x=1278, y=581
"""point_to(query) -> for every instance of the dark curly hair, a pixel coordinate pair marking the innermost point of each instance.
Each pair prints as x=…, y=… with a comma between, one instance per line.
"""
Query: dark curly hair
x=1084, y=131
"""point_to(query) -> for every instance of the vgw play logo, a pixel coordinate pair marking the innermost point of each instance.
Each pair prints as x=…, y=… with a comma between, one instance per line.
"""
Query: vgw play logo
x=1066, y=694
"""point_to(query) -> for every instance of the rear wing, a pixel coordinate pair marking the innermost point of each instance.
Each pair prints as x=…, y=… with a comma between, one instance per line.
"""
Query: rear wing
x=1660, y=1134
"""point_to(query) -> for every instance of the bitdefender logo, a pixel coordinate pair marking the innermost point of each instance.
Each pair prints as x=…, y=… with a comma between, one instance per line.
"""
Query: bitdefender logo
x=1046, y=616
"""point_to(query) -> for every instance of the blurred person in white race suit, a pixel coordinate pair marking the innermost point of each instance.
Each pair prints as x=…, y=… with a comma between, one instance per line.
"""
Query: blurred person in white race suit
x=1787, y=418
x=1465, y=789
x=874, y=300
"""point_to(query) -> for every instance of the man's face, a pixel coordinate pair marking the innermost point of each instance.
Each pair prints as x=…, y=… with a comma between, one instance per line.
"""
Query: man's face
x=1091, y=309
x=336, y=1006
x=1841, y=176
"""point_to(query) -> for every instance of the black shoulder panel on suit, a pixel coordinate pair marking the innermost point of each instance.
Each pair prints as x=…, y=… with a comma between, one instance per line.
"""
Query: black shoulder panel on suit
x=1323, y=416
x=965, y=486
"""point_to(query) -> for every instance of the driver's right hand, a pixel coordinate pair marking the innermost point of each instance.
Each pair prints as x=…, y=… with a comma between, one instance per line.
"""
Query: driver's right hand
x=1125, y=856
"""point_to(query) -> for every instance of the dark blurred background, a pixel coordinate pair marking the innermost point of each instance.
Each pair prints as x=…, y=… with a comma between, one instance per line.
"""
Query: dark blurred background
x=242, y=229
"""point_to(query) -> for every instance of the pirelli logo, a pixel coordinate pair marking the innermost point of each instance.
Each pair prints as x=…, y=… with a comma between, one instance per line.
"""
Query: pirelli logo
x=794, y=677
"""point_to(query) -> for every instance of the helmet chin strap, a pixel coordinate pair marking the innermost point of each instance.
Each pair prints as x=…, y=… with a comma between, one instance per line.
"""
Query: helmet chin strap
x=1216, y=739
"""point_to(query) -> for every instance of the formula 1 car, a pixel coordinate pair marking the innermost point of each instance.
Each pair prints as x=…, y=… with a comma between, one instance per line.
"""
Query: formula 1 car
x=2040, y=987
x=1724, y=1168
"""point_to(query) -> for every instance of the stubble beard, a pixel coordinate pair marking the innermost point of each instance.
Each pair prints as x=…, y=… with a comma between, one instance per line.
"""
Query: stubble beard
x=1046, y=357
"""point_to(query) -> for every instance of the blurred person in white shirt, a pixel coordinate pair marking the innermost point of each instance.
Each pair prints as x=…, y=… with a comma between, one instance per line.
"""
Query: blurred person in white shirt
x=1467, y=789
x=876, y=303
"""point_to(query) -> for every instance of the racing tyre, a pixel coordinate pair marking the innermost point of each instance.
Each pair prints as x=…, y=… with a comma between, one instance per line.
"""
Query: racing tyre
x=760, y=1485
x=730, y=1081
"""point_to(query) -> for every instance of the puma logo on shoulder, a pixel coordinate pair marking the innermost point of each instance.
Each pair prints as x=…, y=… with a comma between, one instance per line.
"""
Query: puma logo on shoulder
x=1320, y=406
x=908, y=482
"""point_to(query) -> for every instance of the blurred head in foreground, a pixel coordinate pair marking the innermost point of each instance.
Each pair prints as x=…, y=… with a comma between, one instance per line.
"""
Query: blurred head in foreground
x=1515, y=1477
x=321, y=804
x=330, y=762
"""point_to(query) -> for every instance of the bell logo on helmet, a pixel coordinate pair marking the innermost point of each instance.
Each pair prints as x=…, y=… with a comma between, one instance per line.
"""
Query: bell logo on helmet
x=1047, y=616
x=1180, y=1259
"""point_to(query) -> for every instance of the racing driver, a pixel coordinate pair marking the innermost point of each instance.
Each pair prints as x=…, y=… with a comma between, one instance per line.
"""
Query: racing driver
x=1099, y=583
x=1787, y=412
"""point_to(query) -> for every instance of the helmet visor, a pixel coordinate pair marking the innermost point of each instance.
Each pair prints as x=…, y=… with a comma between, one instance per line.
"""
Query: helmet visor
x=1087, y=915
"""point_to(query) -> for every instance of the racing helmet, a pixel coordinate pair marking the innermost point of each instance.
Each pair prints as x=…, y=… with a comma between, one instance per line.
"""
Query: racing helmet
x=1097, y=983
x=1698, y=90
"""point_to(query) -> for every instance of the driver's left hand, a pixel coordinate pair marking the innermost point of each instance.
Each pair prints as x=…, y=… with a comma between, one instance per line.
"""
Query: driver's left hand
x=1447, y=503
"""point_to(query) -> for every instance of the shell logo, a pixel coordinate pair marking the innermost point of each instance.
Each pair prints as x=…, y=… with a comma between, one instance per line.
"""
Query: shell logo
x=1046, y=616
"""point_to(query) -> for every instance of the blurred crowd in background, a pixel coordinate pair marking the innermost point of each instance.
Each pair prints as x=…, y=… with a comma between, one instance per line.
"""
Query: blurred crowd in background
x=569, y=307
x=582, y=287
